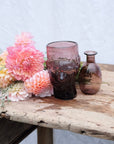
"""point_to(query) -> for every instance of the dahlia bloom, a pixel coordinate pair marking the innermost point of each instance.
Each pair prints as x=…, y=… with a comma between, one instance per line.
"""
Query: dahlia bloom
x=23, y=62
x=17, y=92
x=25, y=39
x=5, y=77
x=39, y=84
x=3, y=57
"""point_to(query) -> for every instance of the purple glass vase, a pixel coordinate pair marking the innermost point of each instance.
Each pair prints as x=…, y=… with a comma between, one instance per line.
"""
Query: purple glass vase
x=90, y=75
x=63, y=62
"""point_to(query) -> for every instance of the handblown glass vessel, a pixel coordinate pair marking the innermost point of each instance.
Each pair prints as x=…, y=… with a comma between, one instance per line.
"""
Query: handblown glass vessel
x=63, y=63
x=90, y=75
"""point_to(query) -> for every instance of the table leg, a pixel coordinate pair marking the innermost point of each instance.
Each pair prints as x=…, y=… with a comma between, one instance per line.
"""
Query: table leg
x=44, y=135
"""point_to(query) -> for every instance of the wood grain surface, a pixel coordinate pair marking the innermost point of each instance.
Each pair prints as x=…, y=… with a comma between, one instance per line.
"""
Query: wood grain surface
x=91, y=115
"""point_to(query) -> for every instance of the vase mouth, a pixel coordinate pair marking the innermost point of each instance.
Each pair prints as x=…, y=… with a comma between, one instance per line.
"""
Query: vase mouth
x=90, y=53
x=62, y=44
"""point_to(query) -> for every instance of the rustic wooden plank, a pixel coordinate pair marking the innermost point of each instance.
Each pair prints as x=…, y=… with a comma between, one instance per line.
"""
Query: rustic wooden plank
x=91, y=115
x=108, y=67
x=45, y=135
x=13, y=132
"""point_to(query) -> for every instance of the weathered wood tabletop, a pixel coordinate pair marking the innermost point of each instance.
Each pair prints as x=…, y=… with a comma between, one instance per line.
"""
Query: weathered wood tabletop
x=91, y=115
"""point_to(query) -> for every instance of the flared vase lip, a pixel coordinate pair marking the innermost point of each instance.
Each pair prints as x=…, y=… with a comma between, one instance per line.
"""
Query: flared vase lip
x=90, y=53
x=71, y=44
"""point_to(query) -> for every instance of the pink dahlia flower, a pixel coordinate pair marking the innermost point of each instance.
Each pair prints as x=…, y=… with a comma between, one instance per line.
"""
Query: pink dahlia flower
x=25, y=40
x=39, y=84
x=24, y=62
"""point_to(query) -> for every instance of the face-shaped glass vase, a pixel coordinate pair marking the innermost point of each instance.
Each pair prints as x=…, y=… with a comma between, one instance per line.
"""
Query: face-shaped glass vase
x=63, y=63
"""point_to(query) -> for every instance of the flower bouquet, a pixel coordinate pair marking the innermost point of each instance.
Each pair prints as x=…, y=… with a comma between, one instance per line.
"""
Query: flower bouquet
x=22, y=71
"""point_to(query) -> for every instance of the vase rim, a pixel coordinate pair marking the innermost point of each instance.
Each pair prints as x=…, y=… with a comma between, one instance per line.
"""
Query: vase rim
x=62, y=44
x=90, y=53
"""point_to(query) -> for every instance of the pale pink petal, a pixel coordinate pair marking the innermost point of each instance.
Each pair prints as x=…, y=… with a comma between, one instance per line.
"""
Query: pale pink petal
x=25, y=40
x=17, y=92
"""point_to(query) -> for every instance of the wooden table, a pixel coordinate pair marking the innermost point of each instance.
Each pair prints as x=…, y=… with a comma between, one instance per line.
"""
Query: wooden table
x=91, y=115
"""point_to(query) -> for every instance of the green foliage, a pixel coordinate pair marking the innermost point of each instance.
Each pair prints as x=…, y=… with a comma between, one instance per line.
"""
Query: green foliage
x=45, y=66
x=3, y=96
x=77, y=76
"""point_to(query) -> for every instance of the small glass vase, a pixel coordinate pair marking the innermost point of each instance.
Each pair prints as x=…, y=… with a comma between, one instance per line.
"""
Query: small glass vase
x=90, y=75
x=63, y=63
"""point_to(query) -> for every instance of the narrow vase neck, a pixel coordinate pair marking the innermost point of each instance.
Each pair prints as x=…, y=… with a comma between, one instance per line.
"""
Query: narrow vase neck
x=90, y=59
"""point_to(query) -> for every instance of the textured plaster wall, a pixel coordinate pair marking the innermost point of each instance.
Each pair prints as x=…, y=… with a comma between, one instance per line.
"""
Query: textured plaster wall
x=89, y=22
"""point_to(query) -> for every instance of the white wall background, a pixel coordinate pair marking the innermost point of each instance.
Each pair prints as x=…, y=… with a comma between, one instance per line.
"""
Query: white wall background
x=89, y=22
